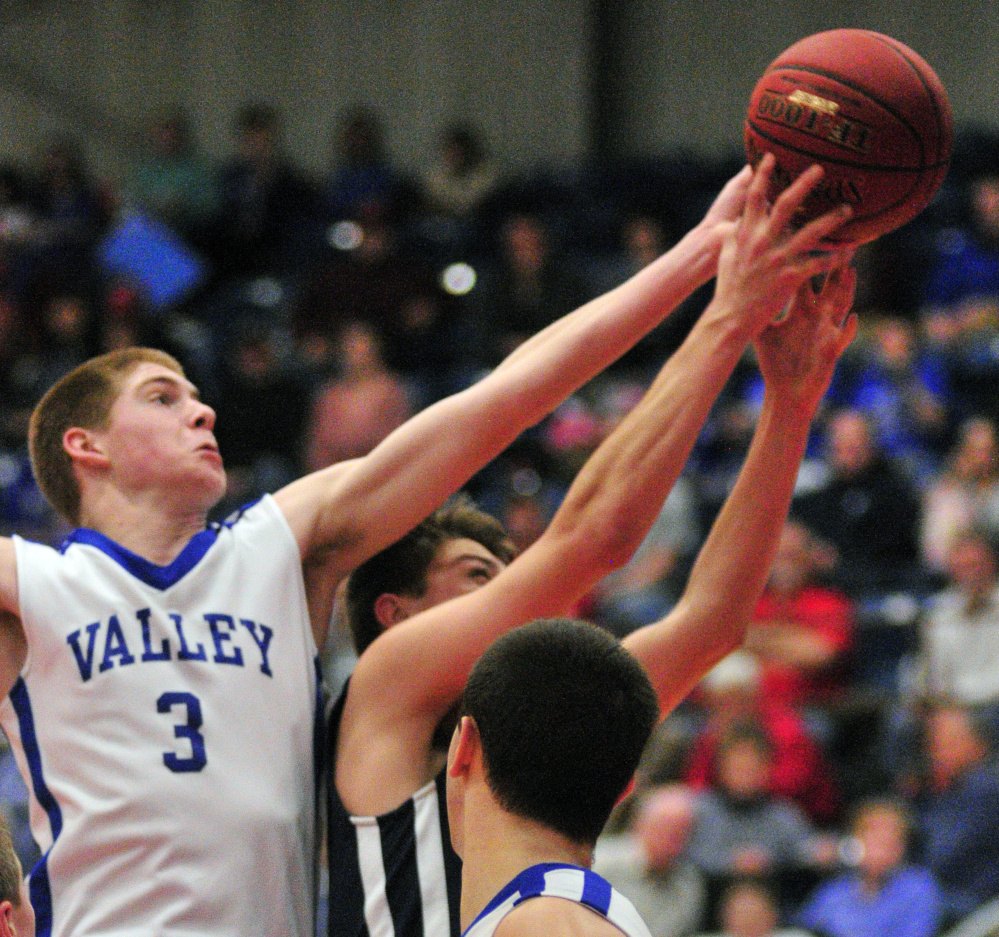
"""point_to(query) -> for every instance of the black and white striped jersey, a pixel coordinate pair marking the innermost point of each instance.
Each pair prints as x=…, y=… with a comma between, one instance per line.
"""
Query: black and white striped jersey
x=395, y=875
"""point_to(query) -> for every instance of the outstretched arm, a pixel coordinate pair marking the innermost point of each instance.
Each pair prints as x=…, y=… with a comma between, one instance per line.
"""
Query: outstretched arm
x=340, y=518
x=797, y=358
x=384, y=750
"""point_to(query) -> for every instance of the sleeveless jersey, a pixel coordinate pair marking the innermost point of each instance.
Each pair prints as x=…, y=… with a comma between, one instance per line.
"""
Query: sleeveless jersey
x=395, y=875
x=557, y=880
x=166, y=722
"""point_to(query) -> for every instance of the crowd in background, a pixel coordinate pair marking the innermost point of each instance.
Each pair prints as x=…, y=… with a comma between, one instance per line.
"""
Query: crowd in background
x=836, y=775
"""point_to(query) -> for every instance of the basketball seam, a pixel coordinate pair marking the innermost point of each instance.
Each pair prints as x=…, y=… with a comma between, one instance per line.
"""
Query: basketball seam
x=866, y=93
x=937, y=114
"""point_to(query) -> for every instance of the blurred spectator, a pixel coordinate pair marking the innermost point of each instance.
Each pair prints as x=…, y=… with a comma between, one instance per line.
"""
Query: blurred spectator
x=797, y=770
x=964, y=493
x=172, y=181
x=358, y=408
x=741, y=827
x=960, y=632
x=265, y=207
x=531, y=286
x=366, y=279
x=68, y=216
x=883, y=894
x=962, y=294
x=903, y=390
x=749, y=908
x=647, y=587
x=641, y=242
x=261, y=417
x=866, y=508
x=363, y=178
x=462, y=177
x=955, y=812
x=647, y=863
x=801, y=630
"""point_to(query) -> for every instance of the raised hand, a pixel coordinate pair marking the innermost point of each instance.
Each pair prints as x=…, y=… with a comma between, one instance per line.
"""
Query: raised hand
x=797, y=356
x=765, y=258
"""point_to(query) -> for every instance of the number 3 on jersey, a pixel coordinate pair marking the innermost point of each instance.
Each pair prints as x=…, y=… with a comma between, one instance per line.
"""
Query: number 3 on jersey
x=187, y=730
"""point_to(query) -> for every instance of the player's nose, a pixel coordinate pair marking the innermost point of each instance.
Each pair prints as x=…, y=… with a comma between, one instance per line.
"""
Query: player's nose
x=204, y=416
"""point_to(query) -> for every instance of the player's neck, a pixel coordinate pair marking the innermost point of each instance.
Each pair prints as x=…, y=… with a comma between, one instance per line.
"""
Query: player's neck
x=497, y=846
x=145, y=525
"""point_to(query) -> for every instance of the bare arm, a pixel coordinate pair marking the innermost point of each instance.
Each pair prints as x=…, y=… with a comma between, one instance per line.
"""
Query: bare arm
x=346, y=517
x=384, y=751
x=797, y=359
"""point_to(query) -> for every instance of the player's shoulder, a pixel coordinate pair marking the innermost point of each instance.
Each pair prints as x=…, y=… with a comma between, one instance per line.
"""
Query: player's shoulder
x=551, y=916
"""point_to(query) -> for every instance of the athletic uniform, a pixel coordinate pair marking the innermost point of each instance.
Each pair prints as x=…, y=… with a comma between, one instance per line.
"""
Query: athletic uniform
x=166, y=722
x=554, y=879
x=395, y=875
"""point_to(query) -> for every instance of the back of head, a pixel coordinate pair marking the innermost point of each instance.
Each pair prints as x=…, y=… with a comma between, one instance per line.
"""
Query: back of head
x=401, y=569
x=563, y=712
x=10, y=868
x=83, y=398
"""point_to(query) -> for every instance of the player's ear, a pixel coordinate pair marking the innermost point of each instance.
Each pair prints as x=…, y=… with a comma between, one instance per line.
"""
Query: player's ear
x=465, y=747
x=83, y=447
x=6, y=913
x=389, y=610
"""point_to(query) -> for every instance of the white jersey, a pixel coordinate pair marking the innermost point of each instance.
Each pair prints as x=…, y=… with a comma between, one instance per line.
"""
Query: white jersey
x=557, y=880
x=166, y=725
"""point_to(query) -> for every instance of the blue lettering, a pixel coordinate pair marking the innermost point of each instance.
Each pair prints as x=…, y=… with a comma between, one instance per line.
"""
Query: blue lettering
x=149, y=654
x=115, y=646
x=219, y=637
x=263, y=642
x=86, y=664
x=185, y=653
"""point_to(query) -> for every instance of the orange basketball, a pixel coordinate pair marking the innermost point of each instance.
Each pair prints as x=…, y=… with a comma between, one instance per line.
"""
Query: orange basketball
x=870, y=111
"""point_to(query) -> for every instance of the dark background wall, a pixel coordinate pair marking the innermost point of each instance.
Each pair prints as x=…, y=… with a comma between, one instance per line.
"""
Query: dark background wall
x=547, y=80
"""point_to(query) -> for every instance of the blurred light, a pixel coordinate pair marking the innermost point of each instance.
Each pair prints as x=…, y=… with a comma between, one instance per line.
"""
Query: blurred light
x=345, y=235
x=266, y=292
x=458, y=279
x=526, y=482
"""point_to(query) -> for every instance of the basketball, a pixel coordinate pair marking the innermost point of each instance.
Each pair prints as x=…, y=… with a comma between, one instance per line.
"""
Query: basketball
x=868, y=109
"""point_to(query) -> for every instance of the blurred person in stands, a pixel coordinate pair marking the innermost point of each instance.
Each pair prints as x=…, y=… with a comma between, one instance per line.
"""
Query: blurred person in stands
x=866, y=508
x=749, y=907
x=172, y=181
x=956, y=822
x=964, y=493
x=802, y=630
x=648, y=864
x=798, y=769
x=264, y=205
x=531, y=285
x=903, y=389
x=883, y=893
x=356, y=410
x=462, y=177
x=960, y=630
x=363, y=178
x=741, y=827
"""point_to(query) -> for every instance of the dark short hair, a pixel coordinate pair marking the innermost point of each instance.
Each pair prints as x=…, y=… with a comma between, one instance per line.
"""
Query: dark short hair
x=10, y=868
x=401, y=569
x=563, y=712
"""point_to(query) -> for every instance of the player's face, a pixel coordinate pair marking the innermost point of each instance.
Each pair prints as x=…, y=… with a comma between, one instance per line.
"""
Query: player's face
x=461, y=566
x=160, y=437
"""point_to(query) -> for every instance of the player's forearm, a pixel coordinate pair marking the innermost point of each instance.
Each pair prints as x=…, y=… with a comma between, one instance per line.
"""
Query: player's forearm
x=725, y=584
x=598, y=333
x=618, y=494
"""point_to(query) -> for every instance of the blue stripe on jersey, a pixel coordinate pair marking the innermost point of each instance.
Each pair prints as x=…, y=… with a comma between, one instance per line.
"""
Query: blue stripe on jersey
x=159, y=577
x=596, y=892
x=41, y=893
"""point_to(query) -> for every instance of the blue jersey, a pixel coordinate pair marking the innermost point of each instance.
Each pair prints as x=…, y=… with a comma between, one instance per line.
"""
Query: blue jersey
x=556, y=880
